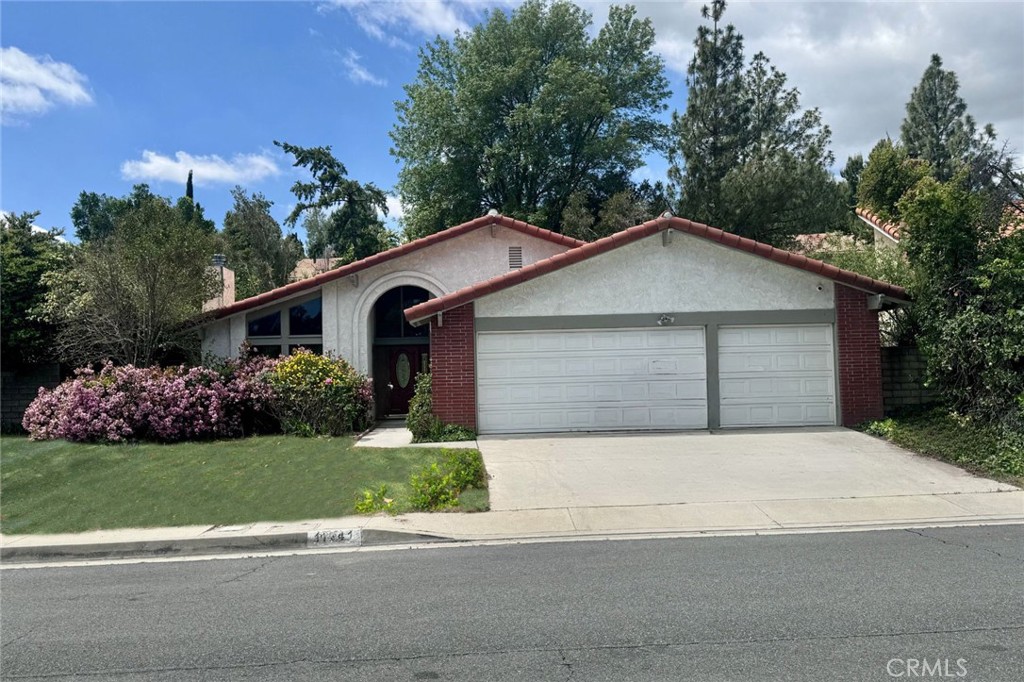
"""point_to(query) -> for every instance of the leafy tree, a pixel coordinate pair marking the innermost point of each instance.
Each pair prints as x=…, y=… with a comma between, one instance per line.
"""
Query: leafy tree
x=94, y=215
x=773, y=198
x=524, y=111
x=888, y=174
x=969, y=291
x=937, y=128
x=27, y=255
x=256, y=250
x=129, y=296
x=745, y=156
x=352, y=225
x=851, y=174
x=590, y=217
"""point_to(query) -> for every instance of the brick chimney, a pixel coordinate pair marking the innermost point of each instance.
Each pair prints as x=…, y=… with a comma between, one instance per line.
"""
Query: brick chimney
x=227, y=284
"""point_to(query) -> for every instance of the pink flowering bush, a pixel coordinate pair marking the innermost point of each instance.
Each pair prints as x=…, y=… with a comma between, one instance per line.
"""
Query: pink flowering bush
x=153, y=403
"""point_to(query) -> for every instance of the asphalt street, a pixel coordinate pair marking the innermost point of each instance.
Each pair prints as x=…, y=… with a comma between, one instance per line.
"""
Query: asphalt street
x=875, y=605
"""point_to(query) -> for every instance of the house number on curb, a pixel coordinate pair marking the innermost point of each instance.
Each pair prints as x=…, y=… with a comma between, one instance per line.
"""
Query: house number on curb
x=403, y=370
x=333, y=538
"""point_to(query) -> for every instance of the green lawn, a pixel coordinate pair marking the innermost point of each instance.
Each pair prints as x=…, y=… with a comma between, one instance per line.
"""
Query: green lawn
x=57, y=487
x=972, y=446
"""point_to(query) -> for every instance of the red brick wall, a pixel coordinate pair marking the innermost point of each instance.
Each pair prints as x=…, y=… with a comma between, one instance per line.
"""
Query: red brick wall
x=860, y=357
x=453, y=367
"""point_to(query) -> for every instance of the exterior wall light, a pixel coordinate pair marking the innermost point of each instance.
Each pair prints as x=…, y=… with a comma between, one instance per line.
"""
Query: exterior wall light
x=665, y=320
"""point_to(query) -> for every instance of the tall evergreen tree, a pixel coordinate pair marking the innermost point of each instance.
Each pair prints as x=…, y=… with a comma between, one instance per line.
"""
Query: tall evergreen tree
x=938, y=128
x=710, y=137
x=188, y=186
x=746, y=156
x=353, y=227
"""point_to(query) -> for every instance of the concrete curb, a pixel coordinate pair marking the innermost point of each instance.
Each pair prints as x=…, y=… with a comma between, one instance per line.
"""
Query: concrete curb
x=214, y=545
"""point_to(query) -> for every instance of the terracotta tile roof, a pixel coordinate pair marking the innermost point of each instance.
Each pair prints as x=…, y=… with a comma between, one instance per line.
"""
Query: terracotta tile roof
x=892, y=230
x=1013, y=221
x=457, y=298
x=397, y=252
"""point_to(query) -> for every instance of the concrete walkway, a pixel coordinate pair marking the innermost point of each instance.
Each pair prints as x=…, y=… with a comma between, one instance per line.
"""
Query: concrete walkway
x=739, y=482
x=763, y=516
x=395, y=435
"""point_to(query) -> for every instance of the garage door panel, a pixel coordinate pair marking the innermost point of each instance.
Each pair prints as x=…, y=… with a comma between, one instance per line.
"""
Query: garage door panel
x=592, y=380
x=776, y=375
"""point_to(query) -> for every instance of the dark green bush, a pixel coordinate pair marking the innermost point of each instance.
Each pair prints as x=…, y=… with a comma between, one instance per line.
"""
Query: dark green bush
x=424, y=425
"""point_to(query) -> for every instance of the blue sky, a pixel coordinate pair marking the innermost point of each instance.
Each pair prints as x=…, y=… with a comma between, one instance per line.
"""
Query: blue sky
x=101, y=95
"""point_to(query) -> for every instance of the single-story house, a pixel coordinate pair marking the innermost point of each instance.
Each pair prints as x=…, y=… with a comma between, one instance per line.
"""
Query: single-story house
x=667, y=325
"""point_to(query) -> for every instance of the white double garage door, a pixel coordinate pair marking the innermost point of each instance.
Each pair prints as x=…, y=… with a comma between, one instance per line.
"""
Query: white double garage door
x=636, y=379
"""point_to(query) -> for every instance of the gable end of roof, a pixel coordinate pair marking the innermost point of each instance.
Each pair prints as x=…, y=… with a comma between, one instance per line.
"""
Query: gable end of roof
x=420, y=313
x=300, y=286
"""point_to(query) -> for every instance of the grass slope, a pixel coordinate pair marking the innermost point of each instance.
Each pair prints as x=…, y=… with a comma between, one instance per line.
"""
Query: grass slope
x=61, y=487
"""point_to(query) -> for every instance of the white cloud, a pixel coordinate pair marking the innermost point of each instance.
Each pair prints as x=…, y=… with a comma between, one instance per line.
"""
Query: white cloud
x=210, y=169
x=384, y=21
x=356, y=72
x=859, y=61
x=395, y=209
x=31, y=85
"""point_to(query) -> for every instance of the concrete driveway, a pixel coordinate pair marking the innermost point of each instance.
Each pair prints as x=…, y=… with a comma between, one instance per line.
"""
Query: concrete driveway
x=587, y=470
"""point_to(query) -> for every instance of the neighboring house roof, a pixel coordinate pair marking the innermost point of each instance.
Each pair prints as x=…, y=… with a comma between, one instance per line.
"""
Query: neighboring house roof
x=311, y=267
x=1014, y=221
x=397, y=252
x=809, y=243
x=890, y=230
x=455, y=299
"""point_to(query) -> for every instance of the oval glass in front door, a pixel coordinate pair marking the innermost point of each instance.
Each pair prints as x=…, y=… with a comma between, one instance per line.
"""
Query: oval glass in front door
x=403, y=370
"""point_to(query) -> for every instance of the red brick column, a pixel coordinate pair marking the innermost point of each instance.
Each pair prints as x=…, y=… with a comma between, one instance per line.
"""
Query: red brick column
x=453, y=367
x=860, y=357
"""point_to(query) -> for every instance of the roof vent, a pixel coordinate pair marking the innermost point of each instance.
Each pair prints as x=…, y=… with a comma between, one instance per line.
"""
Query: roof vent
x=493, y=212
x=515, y=257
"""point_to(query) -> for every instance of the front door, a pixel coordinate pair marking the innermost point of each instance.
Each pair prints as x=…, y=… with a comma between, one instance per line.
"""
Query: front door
x=404, y=363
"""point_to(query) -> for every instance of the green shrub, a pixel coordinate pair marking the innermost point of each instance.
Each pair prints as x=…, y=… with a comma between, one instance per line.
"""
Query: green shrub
x=467, y=466
x=439, y=485
x=375, y=501
x=421, y=417
x=320, y=395
x=424, y=425
x=992, y=449
x=434, y=488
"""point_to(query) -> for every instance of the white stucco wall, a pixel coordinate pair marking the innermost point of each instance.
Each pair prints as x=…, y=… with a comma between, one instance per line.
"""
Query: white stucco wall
x=690, y=274
x=440, y=268
x=223, y=337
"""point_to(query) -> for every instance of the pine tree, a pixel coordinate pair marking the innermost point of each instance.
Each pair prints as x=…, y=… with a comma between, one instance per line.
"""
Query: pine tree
x=937, y=127
x=713, y=132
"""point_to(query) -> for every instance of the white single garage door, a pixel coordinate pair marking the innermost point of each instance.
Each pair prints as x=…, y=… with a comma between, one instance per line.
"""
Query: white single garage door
x=777, y=375
x=591, y=380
